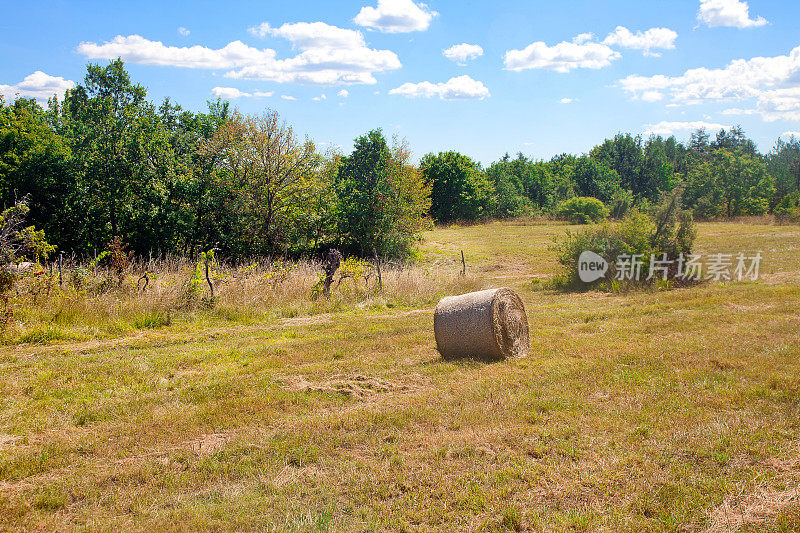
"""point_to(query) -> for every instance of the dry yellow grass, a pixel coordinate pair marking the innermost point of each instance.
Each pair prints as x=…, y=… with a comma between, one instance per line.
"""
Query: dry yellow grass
x=649, y=410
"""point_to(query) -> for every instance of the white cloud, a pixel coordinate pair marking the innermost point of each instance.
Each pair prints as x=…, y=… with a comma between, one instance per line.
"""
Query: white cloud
x=183, y=31
x=732, y=13
x=668, y=128
x=779, y=104
x=320, y=98
x=290, y=98
x=310, y=35
x=771, y=83
x=396, y=16
x=460, y=88
x=328, y=55
x=562, y=57
x=790, y=134
x=461, y=53
x=38, y=85
x=231, y=93
x=137, y=49
x=567, y=100
x=228, y=93
x=651, y=96
x=585, y=52
x=773, y=105
x=344, y=93
x=583, y=38
x=662, y=38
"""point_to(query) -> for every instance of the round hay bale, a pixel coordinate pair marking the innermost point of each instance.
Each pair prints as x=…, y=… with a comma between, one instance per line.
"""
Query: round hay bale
x=488, y=325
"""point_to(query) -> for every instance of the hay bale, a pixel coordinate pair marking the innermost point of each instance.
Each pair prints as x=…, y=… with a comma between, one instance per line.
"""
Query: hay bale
x=489, y=325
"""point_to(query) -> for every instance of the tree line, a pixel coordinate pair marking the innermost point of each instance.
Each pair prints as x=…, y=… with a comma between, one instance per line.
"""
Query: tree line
x=105, y=163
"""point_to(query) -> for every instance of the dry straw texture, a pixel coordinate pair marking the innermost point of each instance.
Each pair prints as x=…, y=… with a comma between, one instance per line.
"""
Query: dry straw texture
x=489, y=325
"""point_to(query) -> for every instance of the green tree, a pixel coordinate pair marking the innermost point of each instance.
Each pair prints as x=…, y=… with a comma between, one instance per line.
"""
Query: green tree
x=382, y=199
x=623, y=154
x=37, y=163
x=201, y=139
x=729, y=184
x=459, y=188
x=108, y=121
x=264, y=170
x=594, y=178
x=783, y=164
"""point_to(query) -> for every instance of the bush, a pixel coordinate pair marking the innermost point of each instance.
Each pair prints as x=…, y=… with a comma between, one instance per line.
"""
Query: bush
x=582, y=210
x=668, y=231
x=621, y=203
x=706, y=209
x=788, y=210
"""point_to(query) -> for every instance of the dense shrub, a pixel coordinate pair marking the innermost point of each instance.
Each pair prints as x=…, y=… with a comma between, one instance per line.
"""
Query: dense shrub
x=788, y=210
x=669, y=231
x=582, y=210
x=621, y=203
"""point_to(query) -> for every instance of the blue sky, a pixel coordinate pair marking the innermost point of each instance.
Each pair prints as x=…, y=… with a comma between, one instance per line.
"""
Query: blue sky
x=537, y=77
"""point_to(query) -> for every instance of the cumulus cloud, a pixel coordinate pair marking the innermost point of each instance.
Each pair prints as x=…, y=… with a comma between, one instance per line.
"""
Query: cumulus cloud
x=651, y=96
x=790, y=134
x=344, y=93
x=661, y=38
x=771, y=83
x=328, y=55
x=137, y=49
x=773, y=105
x=290, y=98
x=461, y=53
x=584, y=51
x=668, y=128
x=460, y=88
x=320, y=98
x=231, y=93
x=38, y=85
x=583, y=38
x=183, y=31
x=562, y=57
x=310, y=35
x=396, y=16
x=731, y=13
x=567, y=100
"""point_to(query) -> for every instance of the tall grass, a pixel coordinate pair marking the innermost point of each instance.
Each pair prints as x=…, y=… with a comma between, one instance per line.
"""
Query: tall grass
x=91, y=302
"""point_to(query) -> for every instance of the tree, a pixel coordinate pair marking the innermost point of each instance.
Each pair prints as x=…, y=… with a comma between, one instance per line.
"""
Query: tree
x=265, y=169
x=519, y=184
x=783, y=164
x=730, y=184
x=624, y=155
x=595, y=179
x=204, y=146
x=106, y=122
x=37, y=163
x=381, y=198
x=459, y=189
x=735, y=140
x=657, y=173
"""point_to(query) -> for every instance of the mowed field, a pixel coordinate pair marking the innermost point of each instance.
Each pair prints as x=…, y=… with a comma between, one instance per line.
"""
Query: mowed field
x=673, y=410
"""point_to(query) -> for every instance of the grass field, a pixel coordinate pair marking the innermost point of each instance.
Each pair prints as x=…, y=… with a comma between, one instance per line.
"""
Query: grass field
x=653, y=410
